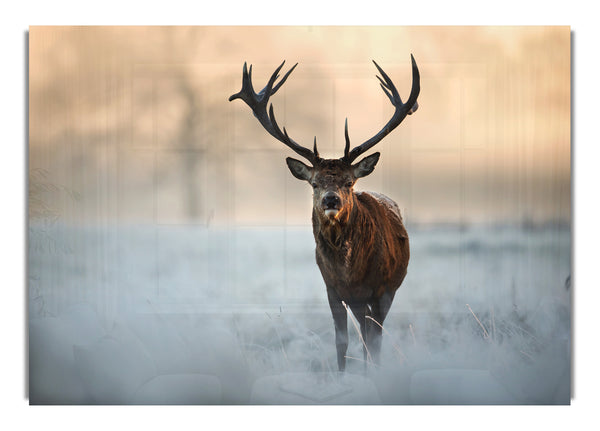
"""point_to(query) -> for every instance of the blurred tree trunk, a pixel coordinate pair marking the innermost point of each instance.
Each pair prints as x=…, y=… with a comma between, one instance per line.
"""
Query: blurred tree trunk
x=188, y=139
x=191, y=160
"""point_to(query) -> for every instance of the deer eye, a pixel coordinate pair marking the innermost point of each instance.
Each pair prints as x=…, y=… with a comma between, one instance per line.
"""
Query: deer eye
x=348, y=184
x=314, y=185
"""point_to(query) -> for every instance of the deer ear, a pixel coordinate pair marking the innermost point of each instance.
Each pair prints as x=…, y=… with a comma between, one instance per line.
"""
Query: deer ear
x=365, y=166
x=299, y=169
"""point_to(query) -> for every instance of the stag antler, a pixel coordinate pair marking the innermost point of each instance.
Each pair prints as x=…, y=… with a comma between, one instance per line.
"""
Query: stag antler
x=258, y=104
x=402, y=109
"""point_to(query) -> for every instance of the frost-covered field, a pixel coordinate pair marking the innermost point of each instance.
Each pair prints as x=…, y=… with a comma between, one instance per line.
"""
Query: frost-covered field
x=190, y=314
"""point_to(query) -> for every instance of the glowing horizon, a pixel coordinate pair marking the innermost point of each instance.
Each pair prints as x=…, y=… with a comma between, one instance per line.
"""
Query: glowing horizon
x=133, y=124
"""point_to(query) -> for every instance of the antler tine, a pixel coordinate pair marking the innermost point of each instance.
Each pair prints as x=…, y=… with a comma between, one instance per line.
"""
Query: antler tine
x=347, y=148
x=280, y=83
x=402, y=109
x=283, y=137
x=258, y=104
x=248, y=75
x=387, y=85
x=267, y=91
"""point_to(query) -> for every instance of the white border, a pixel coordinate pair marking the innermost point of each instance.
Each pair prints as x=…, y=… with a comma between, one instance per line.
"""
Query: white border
x=580, y=15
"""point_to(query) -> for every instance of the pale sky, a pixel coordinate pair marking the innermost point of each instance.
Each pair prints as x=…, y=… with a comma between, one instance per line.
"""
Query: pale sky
x=133, y=124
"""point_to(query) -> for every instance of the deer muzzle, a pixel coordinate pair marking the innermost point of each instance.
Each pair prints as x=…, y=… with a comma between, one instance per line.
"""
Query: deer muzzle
x=331, y=204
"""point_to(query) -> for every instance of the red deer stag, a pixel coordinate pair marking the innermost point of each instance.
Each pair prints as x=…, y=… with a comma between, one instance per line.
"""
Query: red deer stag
x=361, y=244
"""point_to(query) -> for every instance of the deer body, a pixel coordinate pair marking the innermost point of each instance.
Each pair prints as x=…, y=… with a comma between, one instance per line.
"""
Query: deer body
x=363, y=269
x=366, y=256
x=362, y=247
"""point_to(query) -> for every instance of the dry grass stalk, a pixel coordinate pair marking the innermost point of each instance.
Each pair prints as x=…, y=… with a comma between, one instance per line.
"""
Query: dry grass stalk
x=486, y=335
x=412, y=333
x=355, y=323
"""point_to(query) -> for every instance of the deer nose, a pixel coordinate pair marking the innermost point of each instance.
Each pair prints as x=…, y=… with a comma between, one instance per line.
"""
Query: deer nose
x=331, y=201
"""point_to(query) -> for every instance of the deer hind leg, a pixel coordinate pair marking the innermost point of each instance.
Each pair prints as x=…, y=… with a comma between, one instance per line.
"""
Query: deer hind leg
x=361, y=311
x=340, y=321
x=379, y=310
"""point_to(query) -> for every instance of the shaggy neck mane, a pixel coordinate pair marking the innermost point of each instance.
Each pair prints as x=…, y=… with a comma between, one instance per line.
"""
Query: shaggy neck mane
x=349, y=227
x=367, y=232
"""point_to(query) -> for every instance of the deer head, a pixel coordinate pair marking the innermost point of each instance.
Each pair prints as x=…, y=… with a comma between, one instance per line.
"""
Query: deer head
x=332, y=179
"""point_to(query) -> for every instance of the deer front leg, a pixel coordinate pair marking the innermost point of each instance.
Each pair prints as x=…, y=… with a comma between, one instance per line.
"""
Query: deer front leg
x=374, y=333
x=340, y=321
